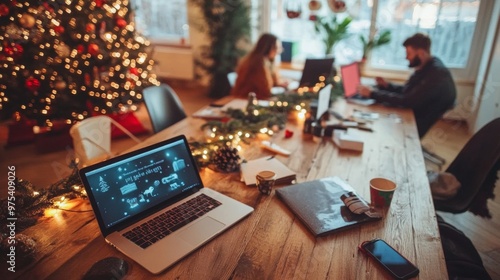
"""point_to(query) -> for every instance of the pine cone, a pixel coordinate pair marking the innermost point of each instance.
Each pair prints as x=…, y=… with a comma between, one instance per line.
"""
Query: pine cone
x=226, y=159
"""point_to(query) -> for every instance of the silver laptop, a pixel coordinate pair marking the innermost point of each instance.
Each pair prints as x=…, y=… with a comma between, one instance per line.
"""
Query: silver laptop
x=152, y=206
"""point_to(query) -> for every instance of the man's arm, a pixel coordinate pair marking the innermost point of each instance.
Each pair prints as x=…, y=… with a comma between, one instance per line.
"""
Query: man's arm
x=417, y=91
x=382, y=85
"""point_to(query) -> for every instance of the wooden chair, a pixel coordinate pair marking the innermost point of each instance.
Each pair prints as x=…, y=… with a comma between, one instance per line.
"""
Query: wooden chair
x=92, y=139
x=476, y=168
x=164, y=106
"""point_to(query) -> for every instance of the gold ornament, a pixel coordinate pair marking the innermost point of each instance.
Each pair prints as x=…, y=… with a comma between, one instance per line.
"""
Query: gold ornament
x=62, y=50
x=27, y=21
x=60, y=84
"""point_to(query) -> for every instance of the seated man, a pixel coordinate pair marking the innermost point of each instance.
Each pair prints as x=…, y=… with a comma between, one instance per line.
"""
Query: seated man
x=430, y=91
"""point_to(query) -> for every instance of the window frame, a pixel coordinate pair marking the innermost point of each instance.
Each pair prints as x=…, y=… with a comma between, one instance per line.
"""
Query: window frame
x=466, y=74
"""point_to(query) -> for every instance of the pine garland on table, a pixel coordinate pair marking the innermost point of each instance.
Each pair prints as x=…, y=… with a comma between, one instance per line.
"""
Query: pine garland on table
x=31, y=203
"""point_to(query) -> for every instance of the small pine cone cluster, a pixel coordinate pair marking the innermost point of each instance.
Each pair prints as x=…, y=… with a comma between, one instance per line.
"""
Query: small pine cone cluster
x=226, y=159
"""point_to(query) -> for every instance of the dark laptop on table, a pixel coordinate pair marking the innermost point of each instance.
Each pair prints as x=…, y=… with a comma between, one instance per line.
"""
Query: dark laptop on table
x=313, y=69
x=152, y=206
x=351, y=79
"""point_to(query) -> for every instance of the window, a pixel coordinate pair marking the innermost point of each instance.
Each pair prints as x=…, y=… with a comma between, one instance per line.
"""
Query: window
x=451, y=24
x=162, y=21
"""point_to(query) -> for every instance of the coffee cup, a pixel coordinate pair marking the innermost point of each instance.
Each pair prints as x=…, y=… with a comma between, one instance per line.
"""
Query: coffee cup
x=381, y=192
x=265, y=181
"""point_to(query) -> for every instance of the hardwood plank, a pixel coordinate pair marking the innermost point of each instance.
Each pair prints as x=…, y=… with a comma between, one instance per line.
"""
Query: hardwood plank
x=445, y=138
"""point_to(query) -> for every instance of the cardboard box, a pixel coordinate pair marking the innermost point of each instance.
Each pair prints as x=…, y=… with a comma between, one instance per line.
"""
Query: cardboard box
x=348, y=140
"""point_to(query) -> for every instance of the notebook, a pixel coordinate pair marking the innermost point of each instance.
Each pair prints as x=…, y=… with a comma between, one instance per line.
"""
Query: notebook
x=351, y=78
x=133, y=196
x=249, y=170
x=319, y=206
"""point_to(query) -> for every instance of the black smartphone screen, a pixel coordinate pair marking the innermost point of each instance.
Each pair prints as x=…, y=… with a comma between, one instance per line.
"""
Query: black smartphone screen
x=391, y=259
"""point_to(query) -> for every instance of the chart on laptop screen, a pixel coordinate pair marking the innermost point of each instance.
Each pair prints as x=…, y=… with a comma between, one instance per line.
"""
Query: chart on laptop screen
x=130, y=186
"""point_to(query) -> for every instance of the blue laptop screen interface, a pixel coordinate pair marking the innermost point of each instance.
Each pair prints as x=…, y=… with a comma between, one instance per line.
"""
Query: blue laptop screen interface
x=130, y=186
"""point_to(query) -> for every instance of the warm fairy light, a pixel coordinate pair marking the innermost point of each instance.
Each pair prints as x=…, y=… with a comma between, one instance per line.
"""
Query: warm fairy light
x=60, y=202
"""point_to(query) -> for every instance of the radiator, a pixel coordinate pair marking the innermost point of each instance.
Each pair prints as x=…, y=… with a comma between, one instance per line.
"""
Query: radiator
x=174, y=62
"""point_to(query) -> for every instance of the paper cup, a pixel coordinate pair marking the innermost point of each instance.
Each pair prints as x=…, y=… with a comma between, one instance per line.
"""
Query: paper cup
x=381, y=192
x=265, y=181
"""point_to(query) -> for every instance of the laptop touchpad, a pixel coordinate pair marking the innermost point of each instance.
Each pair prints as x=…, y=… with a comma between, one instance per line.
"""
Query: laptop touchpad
x=201, y=230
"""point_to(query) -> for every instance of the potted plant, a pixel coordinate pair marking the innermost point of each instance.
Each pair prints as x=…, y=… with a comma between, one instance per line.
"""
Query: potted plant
x=226, y=22
x=332, y=31
x=378, y=40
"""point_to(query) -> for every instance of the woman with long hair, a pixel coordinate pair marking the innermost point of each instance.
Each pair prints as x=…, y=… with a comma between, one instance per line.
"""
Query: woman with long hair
x=256, y=71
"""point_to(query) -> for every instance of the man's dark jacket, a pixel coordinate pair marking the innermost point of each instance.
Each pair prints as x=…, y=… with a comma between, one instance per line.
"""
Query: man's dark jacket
x=430, y=92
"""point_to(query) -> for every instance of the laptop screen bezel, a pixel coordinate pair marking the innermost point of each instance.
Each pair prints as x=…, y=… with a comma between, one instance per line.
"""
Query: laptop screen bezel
x=131, y=220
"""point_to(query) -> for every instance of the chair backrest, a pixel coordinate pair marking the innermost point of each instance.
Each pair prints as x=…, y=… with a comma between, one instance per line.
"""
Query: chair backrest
x=472, y=166
x=92, y=138
x=462, y=258
x=163, y=105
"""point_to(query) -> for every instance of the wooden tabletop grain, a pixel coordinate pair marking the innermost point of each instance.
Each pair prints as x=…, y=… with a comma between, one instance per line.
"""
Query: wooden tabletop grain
x=272, y=243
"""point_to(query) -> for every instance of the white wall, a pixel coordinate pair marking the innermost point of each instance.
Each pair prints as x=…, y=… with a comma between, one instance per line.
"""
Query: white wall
x=486, y=97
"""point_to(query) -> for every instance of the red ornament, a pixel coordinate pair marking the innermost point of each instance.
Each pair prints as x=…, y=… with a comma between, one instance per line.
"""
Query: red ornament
x=87, y=79
x=4, y=10
x=134, y=71
x=33, y=84
x=90, y=27
x=120, y=22
x=80, y=49
x=59, y=29
x=288, y=133
x=93, y=49
x=18, y=51
x=8, y=50
x=48, y=7
x=99, y=3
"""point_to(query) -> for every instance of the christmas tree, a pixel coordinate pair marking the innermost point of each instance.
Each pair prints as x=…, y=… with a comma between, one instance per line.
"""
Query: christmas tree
x=68, y=60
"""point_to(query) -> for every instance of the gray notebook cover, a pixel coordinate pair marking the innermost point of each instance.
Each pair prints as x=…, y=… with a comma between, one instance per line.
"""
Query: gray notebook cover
x=318, y=205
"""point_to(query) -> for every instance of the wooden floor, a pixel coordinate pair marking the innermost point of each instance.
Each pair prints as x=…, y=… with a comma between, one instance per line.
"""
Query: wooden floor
x=446, y=139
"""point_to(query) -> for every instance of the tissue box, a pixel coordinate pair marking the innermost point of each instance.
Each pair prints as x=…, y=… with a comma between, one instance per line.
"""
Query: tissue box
x=347, y=140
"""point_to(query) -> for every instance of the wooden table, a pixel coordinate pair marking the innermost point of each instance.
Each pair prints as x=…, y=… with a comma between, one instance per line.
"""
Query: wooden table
x=272, y=243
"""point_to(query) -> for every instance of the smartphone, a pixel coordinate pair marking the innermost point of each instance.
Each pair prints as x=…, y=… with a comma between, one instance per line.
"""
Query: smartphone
x=390, y=259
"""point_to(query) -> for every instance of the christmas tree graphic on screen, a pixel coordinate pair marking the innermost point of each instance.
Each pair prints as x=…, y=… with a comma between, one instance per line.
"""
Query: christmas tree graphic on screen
x=129, y=187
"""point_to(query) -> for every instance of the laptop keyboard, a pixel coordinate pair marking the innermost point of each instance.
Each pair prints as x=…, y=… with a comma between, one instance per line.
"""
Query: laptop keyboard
x=159, y=227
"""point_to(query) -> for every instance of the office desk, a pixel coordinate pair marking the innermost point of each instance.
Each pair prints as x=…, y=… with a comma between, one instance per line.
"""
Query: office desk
x=272, y=243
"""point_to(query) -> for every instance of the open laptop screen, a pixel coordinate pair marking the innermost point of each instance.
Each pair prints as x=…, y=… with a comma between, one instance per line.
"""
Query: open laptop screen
x=350, y=79
x=131, y=184
x=313, y=69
